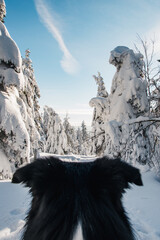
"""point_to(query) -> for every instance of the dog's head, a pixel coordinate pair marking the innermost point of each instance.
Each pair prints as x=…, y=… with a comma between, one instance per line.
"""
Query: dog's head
x=65, y=193
x=51, y=167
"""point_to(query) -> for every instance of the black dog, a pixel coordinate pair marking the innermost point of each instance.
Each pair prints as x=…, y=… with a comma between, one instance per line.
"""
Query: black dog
x=68, y=194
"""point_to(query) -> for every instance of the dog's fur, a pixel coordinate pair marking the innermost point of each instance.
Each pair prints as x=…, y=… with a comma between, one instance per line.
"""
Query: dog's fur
x=68, y=193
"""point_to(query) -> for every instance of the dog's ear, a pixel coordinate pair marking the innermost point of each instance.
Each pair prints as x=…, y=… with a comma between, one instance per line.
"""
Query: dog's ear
x=131, y=174
x=114, y=174
x=43, y=169
x=24, y=174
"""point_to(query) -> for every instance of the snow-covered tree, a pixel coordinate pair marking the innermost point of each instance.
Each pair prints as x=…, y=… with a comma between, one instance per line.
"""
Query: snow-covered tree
x=151, y=73
x=99, y=105
x=128, y=98
x=55, y=136
x=30, y=96
x=14, y=137
x=101, y=87
x=2, y=10
x=128, y=130
x=84, y=131
x=79, y=140
x=84, y=140
x=60, y=138
x=72, y=142
x=19, y=116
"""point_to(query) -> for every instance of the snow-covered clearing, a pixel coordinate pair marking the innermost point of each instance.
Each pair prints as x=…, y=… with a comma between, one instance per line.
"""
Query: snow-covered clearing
x=142, y=204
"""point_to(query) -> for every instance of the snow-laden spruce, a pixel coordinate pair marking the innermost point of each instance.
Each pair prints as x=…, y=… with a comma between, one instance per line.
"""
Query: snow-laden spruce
x=128, y=97
x=14, y=137
x=124, y=127
x=19, y=116
x=99, y=103
x=55, y=136
x=30, y=97
x=60, y=137
x=84, y=140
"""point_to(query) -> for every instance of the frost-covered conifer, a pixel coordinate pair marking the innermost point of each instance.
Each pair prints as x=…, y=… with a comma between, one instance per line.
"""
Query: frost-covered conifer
x=14, y=137
x=128, y=98
x=99, y=104
x=101, y=87
x=79, y=140
x=30, y=96
x=72, y=142
x=86, y=140
x=129, y=131
x=128, y=101
x=84, y=132
x=2, y=10
x=55, y=136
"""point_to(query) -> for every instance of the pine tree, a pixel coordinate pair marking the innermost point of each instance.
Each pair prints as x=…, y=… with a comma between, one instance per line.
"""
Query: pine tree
x=128, y=98
x=55, y=136
x=101, y=87
x=99, y=104
x=126, y=129
x=84, y=132
x=86, y=140
x=71, y=136
x=79, y=140
x=14, y=137
x=30, y=96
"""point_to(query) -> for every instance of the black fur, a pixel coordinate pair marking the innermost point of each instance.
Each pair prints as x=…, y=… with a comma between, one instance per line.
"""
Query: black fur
x=66, y=193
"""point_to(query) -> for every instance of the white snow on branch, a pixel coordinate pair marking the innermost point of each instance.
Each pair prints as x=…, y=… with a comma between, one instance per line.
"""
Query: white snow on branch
x=9, y=52
x=12, y=122
x=11, y=77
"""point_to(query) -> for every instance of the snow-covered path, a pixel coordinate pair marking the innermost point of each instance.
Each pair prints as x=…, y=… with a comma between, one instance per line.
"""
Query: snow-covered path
x=142, y=204
x=14, y=202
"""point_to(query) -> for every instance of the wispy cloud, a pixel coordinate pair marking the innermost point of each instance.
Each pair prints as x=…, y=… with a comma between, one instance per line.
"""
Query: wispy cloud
x=68, y=62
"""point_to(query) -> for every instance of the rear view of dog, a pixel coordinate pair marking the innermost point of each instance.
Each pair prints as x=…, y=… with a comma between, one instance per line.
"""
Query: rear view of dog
x=68, y=194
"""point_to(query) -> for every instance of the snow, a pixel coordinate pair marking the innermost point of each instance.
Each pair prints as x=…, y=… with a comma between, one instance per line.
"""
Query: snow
x=55, y=136
x=14, y=203
x=19, y=117
x=98, y=102
x=11, y=121
x=9, y=52
x=10, y=60
x=141, y=119
x=128, y=97
x=142, y=204
x=11, y=77
x=122, y=125
x=116, y=54
x=5, y=168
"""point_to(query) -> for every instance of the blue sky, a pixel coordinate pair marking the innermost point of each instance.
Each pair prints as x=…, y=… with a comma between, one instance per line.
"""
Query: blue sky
x=71, y=40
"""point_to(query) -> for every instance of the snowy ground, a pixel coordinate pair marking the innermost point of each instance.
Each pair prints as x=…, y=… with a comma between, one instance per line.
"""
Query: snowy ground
x=142, y=204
